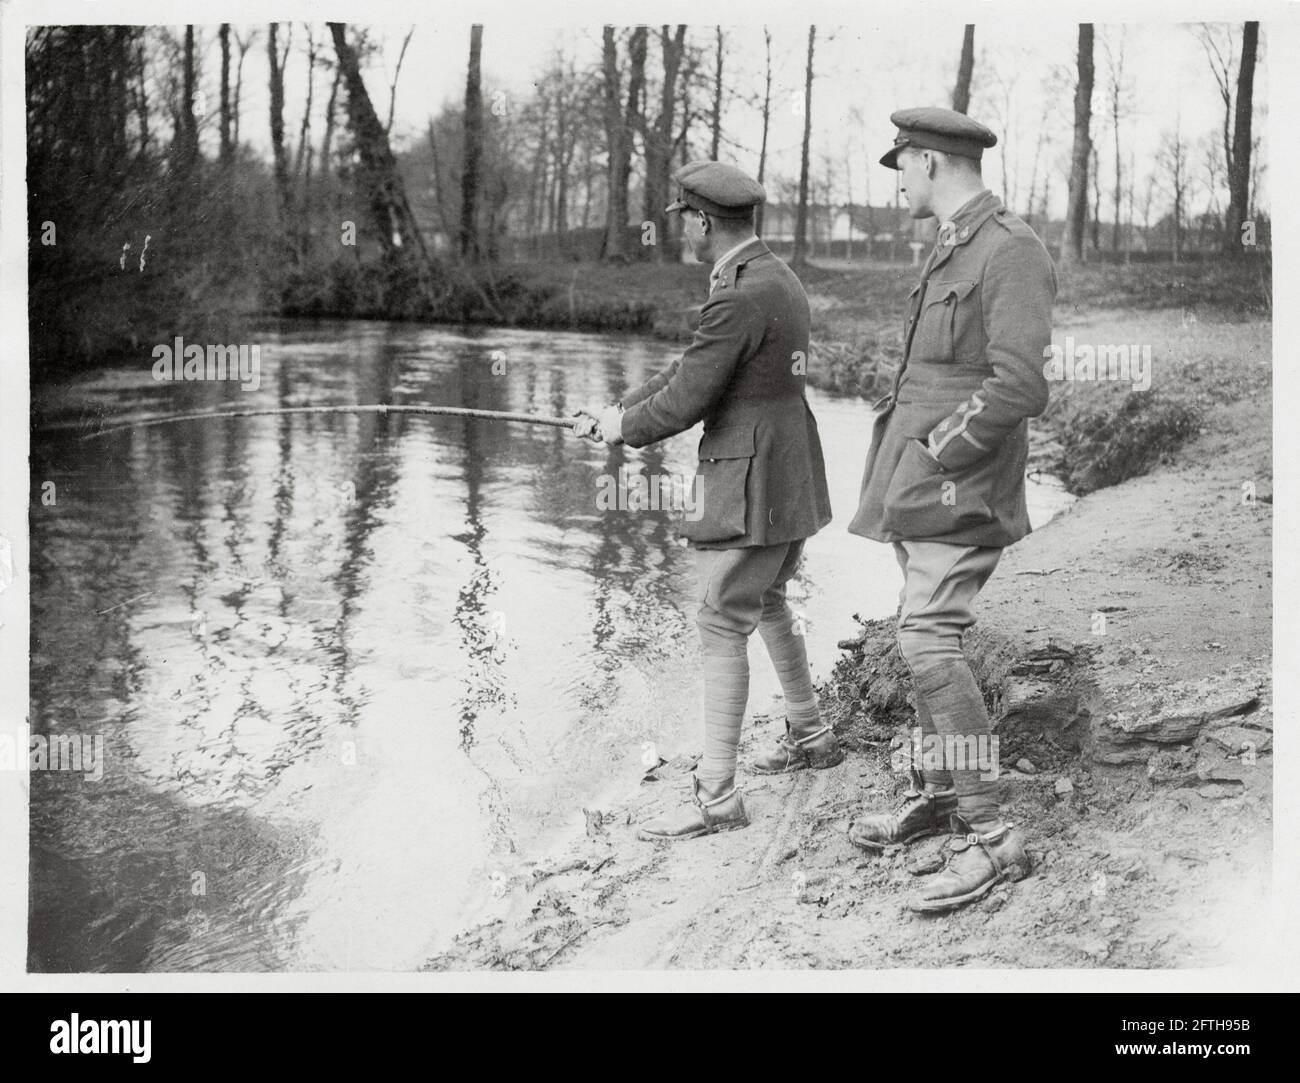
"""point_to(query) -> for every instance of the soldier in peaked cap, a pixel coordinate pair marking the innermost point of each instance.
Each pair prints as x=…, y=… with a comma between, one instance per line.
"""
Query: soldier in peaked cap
x=943, y=130
x=717, y=189
x=945, y=483
x=760, y=484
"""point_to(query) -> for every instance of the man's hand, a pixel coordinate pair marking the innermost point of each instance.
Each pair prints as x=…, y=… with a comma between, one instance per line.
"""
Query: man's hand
x=610, y=425
x=585, y=427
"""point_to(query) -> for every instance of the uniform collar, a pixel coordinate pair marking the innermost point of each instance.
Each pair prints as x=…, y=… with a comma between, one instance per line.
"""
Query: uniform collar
x=962, y=226
x=721, y=277
x=969, y=217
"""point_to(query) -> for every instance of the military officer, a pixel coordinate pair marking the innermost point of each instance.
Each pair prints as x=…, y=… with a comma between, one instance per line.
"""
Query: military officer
x=760, y=483
x=945, y=481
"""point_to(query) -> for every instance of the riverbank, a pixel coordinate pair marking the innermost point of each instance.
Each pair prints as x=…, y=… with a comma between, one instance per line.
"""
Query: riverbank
x=1125, y=651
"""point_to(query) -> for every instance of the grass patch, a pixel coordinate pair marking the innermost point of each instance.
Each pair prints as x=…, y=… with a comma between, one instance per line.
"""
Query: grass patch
x=1104, y=443
x=1232, y=288
x=1102, y=433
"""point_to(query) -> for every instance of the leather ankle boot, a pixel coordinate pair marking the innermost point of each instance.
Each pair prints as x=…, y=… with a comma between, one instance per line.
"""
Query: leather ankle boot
x=817, y=750
x=923, y=811
x=980, y=860
x=708, y=812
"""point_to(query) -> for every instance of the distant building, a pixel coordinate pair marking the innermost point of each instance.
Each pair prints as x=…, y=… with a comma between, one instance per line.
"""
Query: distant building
x=843, y=231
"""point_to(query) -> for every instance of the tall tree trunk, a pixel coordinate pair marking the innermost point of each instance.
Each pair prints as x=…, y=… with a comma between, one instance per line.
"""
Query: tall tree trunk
x=561, y=166
x=616, y=147
x=961, y=92
x=1116, y=66
x=537, y=180
x=717, y=101
x=327, y=139
x=469, y=178
x=1096, y=199
x=588, y=180
x=1179, y=179
x=380, y=179
x=619, y=120
x=1077, y=202
x=767, y=117
x=659, y=142
x=1119, y=187
x=1031, y=206
x=848, y=191
x=302, y=159
x=439, y=190
x=1132, y=196
x=187, y=135
x=1239, y=165
x=227, y=149
x=142, y=100
x=801, y=220
x=279, y=154
x=244, y=46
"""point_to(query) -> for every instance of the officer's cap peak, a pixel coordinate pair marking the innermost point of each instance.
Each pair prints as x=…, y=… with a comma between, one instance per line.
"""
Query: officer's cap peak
x=935, y=128
x=716, y=188
x=941, y=121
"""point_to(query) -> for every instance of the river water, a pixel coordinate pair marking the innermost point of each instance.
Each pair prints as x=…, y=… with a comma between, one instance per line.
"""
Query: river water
x=351, y=671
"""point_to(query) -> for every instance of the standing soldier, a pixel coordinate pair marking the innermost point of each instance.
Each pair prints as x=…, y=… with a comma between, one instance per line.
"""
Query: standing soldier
x=760, y=483
x=945, y=480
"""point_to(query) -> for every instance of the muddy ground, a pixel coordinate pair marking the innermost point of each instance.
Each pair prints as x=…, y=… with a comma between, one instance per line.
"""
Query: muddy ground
x=1125, y=652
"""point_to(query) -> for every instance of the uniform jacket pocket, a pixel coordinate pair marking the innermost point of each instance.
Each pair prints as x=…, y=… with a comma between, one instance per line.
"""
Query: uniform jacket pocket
x=950, y=324
x=925, y=501
x=720, y=499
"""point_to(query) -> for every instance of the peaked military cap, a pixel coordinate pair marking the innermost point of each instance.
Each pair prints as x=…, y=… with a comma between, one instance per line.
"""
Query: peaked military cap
x=938, y=129
x=716, y=188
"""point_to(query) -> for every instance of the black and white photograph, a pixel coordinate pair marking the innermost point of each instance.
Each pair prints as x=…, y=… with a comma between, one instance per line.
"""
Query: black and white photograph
x=744, y=492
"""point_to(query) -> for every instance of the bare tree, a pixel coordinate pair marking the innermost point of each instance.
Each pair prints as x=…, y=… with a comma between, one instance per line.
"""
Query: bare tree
x=469, y=179
x=1214, y=177
x=1132, y=197
x=567, y=99
x=187, y=130
x=965, y=69
x=1096, y=199
x=397, y=74
x=227, y=147
x=1172, y=160
x=657, y=137
x=1053, y=86
x=142, y=98
x=244, y=46
x=1077, y=201
x=279, y=153
x=1030, y=204
x=800, y=257
x=1116, y=92
x=1148, y=198
x=538, y=200
x=767, y=117
x=619, y=120
x=1220, y=44
x=1003, y=106
x=302, y=159
x=1239, y=173
x=717, y=99
x=856, y=122
x=330, y=109
x=380, y=180
x=1256, y=169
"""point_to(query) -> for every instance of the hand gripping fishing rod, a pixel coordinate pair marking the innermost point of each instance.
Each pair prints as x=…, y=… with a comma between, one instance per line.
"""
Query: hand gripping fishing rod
x=439, y=411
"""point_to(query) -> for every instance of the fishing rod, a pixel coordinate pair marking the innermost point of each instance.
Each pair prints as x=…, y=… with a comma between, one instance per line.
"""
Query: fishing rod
x=379, y=408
